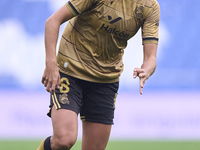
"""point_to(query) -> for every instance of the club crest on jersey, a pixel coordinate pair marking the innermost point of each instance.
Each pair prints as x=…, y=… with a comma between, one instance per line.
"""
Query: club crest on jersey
x=139, y=12
x=64, y=99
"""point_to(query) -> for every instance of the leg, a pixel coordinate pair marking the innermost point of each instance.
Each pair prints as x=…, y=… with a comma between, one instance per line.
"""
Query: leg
x=95, y=135
x=97, y=113
x=65, y=105
x=65, y=128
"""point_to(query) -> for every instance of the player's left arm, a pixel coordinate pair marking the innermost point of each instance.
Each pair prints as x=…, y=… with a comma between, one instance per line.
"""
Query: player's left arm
x=149, y=64
x=150, y=37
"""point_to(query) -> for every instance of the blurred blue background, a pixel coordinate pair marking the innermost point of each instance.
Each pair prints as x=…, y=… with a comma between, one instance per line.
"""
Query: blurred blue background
x=22, y=61
x=22, y=50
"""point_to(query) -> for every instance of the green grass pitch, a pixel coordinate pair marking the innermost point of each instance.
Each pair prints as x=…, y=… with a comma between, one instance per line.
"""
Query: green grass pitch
x=112, y=145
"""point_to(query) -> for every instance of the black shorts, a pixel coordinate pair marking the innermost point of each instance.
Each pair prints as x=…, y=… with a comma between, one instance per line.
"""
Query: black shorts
x=94, y=101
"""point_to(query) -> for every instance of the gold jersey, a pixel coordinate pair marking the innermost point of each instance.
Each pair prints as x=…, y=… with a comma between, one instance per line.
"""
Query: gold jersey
x=93, y=42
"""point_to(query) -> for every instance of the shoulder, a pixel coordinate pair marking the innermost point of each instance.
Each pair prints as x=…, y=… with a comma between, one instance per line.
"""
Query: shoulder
x=151, y=3
x=152, y=7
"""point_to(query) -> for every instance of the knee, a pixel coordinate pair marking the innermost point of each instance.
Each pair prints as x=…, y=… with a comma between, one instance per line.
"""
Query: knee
x=64, y=143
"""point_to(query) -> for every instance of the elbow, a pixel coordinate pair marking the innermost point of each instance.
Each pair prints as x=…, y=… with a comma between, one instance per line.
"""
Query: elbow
x=51, y=24
x=49, y=21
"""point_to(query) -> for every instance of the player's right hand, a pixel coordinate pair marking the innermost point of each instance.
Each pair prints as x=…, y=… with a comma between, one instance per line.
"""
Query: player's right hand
x=51, y=77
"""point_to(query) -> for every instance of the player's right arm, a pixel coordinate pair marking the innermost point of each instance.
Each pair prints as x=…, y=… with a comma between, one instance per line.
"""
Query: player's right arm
x=51, y=76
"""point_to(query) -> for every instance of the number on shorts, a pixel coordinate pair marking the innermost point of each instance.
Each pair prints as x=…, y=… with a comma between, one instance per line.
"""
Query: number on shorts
x=64, y=87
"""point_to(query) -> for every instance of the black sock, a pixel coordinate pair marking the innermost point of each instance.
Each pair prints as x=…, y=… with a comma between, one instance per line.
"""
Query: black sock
x=47, y=144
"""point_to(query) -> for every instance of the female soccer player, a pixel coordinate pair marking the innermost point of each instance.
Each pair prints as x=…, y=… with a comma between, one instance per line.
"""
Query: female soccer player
x=84, y=76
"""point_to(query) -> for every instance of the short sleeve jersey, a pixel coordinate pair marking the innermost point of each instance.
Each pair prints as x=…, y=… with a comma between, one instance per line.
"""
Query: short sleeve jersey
x=93, y=42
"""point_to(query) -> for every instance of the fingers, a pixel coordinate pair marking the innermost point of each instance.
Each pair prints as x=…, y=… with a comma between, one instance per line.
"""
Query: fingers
x=142, y=81
x=48, y=85
x=135, y=73
x=43, y=79
x=142, y=75
x=52, y=87
x=46, y=81
x=58, y=82
x=138, y=72
x=51, y=83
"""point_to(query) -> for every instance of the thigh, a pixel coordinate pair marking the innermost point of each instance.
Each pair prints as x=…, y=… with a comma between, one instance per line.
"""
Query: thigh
x=95, y=135
x=65, y=126
x=99, y=102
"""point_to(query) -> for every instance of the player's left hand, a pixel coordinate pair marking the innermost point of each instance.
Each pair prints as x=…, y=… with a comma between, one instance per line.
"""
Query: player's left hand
x=142, y=74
